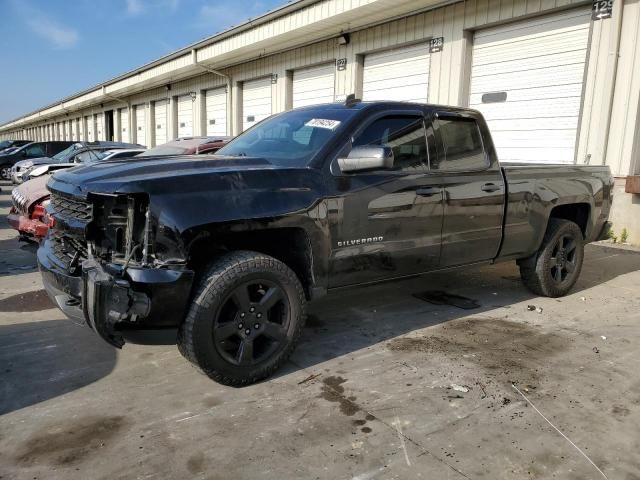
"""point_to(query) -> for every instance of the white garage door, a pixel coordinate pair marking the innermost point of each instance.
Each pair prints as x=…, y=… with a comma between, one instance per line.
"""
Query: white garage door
x=401, y=74
x=526, y=79
x=185, y=116
x=100, y=133
x=314, y=85
x=124, y=125
x=90, y=128
x=216, y=111
x=256, y=101
x=141, y=124
x=160, y=112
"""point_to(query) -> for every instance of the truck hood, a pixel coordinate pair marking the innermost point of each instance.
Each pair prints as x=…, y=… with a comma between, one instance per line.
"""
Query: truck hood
x=149, y=174
x=193, y=190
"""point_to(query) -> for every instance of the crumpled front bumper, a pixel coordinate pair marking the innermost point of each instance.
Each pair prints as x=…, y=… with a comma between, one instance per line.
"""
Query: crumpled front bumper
x=112, y=304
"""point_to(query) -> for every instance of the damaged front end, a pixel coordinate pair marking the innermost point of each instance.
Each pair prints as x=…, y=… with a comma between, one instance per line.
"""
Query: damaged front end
x=103, y=265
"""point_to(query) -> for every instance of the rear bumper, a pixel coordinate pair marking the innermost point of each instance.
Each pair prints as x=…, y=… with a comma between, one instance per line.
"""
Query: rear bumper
x=114, y=304
x=27, y=226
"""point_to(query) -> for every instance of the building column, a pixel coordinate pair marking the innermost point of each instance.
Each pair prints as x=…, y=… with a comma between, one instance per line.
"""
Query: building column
x=172, y=118
x=151, y=124
x=235, y=114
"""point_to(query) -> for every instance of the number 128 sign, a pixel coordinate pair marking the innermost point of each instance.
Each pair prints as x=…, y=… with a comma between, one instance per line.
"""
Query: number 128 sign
x=601, y=9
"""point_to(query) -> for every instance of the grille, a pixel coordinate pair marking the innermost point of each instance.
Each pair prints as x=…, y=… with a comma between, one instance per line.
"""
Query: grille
x=71, y=208
x=19, y=201
x=65, y=248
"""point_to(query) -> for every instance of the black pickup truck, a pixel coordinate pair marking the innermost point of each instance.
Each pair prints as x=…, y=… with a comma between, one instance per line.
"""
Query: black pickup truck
x=229, y=248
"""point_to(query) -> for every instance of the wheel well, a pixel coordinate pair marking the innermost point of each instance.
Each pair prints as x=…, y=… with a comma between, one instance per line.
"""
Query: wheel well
x=289, y=245
x=578, y=213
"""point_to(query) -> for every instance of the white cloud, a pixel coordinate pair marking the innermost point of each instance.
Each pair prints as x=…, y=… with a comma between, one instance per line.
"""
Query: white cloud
x=134, y=7
x=59, y=35
x=138, y=7
x=42, y=24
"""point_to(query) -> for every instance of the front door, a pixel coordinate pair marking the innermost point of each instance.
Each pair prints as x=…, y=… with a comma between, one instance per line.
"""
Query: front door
x=387, y=223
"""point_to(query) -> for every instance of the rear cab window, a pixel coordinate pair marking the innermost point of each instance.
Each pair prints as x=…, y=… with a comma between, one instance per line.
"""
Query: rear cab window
x=461, y=146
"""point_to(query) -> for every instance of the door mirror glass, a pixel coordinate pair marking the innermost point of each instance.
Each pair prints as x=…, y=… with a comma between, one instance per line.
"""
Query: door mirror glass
x=367, y=157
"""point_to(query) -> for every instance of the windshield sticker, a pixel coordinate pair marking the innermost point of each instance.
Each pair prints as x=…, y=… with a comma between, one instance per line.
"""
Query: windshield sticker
x=323, y=123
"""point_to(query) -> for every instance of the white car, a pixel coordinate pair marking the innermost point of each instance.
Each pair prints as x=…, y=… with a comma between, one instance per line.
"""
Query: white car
x=105, y=155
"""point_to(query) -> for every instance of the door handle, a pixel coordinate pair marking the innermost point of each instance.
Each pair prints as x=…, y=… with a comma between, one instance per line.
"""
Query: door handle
x=427, y=191
x=490, y=187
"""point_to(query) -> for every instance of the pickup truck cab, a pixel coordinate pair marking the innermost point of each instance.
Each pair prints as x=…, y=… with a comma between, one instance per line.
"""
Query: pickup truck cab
x=228, y=249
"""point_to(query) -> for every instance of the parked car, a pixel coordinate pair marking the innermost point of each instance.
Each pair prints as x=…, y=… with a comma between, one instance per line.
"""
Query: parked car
x=6, y=144
x=76, y=153
x=29, y=151
x=228, y=249
x=188, y=146
x=28, y=214
x=86, y=157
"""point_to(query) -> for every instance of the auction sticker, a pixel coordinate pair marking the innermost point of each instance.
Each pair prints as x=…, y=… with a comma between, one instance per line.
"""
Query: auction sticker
x=323, y=123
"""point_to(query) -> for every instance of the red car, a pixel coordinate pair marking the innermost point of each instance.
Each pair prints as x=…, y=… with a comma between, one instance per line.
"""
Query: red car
x=188, y=146
x=30, y=200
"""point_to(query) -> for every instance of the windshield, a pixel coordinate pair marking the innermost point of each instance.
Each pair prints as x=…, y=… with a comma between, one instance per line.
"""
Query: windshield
x=67, y=153
x=292, y=138
x=4, y=144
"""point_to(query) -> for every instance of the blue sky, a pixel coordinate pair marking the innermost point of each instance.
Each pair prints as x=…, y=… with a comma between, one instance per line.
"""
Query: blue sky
x=50, y=49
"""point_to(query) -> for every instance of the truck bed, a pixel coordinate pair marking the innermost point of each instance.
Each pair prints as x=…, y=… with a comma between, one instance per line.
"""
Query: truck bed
x=533, y=190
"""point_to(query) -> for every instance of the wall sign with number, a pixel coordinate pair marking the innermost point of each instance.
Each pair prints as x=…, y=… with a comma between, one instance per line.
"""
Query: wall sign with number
x=436, y=45
x=601, y=9
x=341, y=64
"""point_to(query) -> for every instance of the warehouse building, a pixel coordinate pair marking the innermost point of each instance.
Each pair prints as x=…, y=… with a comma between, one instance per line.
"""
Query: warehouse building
x=554, y=78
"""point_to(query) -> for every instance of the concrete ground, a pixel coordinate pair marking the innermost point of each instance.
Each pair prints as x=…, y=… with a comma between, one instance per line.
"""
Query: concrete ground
x=383, y=385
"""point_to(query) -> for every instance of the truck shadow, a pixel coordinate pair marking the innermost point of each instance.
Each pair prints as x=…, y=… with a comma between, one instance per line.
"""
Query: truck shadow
x=358, y=318
x=46, y=359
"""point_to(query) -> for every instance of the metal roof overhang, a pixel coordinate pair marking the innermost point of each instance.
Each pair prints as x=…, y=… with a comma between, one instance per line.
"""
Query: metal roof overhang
x=313, y=23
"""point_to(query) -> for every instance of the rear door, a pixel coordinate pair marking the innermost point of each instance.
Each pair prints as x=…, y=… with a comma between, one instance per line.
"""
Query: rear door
x=388, y=222
x=474, y=190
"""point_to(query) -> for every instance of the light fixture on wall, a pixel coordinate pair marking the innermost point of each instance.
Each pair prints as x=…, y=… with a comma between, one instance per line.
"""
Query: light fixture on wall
x=193, y=96
x=344, y=39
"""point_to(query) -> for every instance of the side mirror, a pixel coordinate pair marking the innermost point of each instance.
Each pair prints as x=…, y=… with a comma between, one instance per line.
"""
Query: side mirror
x=367, y=158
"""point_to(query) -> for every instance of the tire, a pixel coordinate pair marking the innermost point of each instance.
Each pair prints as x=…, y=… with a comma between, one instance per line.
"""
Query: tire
x=555, y=268
x=245, y=319
x=5, y=172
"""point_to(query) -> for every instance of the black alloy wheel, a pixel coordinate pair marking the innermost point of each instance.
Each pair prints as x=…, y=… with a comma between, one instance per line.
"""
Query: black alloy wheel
x=252, y=322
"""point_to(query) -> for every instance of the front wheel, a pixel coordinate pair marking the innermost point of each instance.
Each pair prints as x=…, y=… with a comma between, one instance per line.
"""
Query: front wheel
x=245, y=319
x=5, y=173
x=555, y=268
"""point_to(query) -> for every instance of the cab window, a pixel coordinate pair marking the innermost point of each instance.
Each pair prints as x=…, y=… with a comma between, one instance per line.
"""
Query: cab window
x=462, y=147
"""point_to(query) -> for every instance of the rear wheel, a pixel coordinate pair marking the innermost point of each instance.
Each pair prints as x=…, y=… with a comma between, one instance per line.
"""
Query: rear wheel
x=5, y=172
x=245, y=320
x=554, y=270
